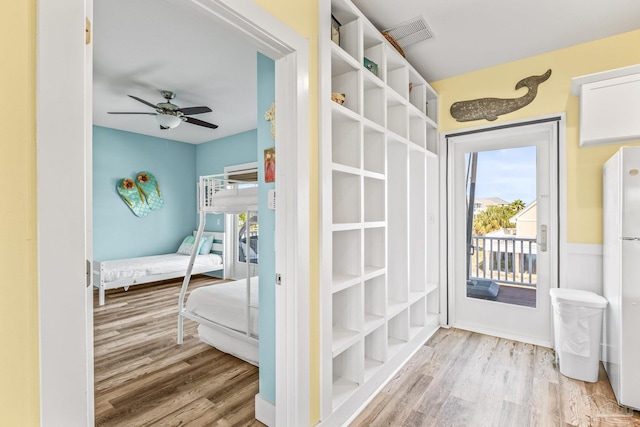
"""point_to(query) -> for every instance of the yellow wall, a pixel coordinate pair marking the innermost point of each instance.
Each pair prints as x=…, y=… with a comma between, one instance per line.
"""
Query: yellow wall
x=19, y=378
x=584, y=165
x=302, y=16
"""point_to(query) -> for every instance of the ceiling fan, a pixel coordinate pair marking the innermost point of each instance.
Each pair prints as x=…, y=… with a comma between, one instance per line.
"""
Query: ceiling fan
x=170, y=115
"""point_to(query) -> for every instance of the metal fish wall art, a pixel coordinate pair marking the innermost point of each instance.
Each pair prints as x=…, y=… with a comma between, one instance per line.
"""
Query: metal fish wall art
x=491, y=108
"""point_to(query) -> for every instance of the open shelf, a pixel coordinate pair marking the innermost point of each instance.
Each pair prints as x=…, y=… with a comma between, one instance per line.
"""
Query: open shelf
x=375, y=248
x=347, y=318
x=374, y=302
x=375, y=152
x=375, y=351
x=346, y=253
x=345, y=139
x=346, y=198
x=374, y=200
x=348, y=373
x=379, y=222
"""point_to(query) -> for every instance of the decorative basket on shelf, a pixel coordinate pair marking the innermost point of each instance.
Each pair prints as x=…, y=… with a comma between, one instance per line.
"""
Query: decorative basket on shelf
x=394, y=43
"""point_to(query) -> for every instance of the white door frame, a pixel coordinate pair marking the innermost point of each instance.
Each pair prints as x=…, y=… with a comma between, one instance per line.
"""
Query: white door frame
x=63, y=155
x=447, y=315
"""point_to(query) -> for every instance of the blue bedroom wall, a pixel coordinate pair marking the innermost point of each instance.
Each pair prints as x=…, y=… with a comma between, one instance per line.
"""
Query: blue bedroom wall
x=213, y=156
x=117, y=232
x=266, y=248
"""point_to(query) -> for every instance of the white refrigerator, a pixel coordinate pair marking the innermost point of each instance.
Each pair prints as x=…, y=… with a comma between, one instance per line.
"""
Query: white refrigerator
x=621, y=274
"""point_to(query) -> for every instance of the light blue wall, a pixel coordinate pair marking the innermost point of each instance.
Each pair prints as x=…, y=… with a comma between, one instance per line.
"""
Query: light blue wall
x=266, y=249
x=117, y=232
x=213, y=156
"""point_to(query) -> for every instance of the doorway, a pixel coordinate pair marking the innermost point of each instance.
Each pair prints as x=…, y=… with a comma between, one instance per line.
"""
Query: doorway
x=64, y=238
x=503, y=230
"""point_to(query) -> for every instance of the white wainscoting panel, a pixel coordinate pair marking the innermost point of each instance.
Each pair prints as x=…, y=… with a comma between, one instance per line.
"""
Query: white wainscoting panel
x=583, y=267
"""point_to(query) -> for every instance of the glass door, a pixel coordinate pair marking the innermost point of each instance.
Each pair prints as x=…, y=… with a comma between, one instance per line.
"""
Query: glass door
x=503, y=232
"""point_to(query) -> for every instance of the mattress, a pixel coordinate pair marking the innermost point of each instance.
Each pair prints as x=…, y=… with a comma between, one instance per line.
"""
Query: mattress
x=225, y=304
x=112, y=271
x=237, y=199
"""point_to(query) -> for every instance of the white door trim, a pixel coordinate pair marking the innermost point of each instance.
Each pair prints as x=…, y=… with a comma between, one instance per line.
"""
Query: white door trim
x=62, y=148
x=65, y=354
x=448, y=312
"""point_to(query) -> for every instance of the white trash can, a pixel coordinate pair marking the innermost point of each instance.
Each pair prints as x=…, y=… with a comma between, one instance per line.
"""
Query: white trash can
x=577, y=326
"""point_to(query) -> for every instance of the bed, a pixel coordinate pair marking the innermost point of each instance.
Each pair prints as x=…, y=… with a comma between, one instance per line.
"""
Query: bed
x=227, y=313
x=123, y=273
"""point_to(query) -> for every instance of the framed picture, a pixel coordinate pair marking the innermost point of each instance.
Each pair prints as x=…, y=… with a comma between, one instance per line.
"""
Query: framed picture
x=270, y=164
x=335, y=30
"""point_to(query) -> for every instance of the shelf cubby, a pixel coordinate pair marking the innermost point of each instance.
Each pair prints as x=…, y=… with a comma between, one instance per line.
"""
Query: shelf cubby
x=347, y=84
x=374, y=200
x=431, y=107
x=346, y=198
x=348, y=373
x=432, y=137
x=374, y=150
x=346, y=251
x=397, y=332
x=345, y=140
x=432, y=259
x=374, y=100
x=418, y=130
x=349, y=18
x=417, y=316
x=397, y=222
x=397, y=121
x=374, y=303
x=375, y=351
x=347, y=318
x=375, y=249
x=397, y=75
x=417, y=223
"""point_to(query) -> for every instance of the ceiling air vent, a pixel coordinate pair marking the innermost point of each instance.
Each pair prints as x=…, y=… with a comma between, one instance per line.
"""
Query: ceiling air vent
x=410, y=32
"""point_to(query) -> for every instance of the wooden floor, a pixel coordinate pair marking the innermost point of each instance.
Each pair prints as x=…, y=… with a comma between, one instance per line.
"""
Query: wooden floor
x=462, y=378
x=459, y=378
x=143, y=378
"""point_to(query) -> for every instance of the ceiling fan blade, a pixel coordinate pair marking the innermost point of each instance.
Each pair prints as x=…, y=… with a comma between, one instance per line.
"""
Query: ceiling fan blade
x=143, y=101
x=199, y=122
x=124, y=112
x=194, y=110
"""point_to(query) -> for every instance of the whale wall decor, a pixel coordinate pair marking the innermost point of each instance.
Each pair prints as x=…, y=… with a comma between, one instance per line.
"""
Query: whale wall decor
x=491, y=108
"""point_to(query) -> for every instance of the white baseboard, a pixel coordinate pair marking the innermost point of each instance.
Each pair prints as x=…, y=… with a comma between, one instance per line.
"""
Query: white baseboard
x=265, y=411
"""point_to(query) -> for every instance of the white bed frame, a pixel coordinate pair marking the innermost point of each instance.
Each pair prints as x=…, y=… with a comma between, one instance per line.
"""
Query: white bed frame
x=100, y=266
x=208, y=187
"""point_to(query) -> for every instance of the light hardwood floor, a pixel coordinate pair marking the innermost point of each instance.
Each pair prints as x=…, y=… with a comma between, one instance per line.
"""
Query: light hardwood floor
x=143, y=378
x=461, y=378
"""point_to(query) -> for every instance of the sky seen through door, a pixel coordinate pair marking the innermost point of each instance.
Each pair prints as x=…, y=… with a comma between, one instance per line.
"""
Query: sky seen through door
x=508, y=174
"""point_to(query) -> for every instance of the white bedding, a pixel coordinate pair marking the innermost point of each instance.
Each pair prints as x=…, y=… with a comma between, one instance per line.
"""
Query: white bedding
x=225, y=304
x=153, y=265
x=237, y=199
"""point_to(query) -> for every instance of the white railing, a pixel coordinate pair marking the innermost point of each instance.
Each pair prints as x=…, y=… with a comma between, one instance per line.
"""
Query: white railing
x=510, y=260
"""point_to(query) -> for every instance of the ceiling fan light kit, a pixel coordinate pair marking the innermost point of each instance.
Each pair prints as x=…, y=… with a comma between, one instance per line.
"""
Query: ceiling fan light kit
x=170, y=115
x=168, y=121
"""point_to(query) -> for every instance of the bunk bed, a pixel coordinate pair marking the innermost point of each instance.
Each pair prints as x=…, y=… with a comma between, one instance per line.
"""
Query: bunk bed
x=123, y=273
x=227, y=313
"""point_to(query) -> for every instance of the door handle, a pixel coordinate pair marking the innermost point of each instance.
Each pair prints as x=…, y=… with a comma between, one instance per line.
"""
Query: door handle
x=542, y=238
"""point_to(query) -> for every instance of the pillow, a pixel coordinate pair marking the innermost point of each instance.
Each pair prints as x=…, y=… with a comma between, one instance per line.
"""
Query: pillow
x=187, y=245
x=206, y=245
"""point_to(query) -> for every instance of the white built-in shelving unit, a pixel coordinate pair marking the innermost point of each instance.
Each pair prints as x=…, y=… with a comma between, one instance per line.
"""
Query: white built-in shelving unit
x=379, y=228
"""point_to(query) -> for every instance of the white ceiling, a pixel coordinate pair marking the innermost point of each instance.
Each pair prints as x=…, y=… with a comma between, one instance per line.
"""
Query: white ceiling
x=471, y=35
x=144, y=46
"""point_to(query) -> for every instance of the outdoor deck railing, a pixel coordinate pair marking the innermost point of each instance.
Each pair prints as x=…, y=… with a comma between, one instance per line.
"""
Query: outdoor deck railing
x=510, y=260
